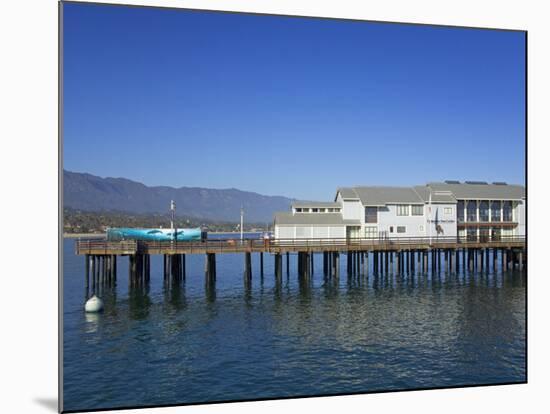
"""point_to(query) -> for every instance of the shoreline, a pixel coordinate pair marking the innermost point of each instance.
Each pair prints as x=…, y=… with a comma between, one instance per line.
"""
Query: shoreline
x=87, y=235
x=102, y=235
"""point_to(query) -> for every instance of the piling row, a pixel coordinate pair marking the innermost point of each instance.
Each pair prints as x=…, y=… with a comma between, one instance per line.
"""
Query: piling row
x=102, y=269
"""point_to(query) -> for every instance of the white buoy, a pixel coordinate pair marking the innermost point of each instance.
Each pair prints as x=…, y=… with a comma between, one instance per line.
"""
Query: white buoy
x=94, y=304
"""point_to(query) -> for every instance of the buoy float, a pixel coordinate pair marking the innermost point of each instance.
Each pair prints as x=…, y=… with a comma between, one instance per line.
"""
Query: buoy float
x=94, y=304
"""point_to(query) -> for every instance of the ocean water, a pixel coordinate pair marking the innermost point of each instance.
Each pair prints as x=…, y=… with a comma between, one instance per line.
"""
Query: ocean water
x=191, y=342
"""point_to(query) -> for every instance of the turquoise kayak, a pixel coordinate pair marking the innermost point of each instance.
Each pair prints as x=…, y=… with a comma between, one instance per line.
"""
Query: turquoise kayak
x=127, y=233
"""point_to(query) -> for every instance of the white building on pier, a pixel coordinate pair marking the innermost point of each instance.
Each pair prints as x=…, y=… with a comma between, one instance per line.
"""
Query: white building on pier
x=470, y=209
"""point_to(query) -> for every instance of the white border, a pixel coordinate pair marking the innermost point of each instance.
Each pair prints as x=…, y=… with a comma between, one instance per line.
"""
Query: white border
x=28, y=31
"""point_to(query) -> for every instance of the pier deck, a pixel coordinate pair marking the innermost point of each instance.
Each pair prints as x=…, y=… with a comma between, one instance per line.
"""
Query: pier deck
x=130, y=247
x=405, y=254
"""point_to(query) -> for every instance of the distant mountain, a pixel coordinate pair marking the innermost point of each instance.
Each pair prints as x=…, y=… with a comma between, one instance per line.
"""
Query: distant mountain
x=91, y=193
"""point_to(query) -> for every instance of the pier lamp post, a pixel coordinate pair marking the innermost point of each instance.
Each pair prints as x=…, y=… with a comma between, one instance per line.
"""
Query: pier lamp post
x=430, y=216
x=242, y=215
x=173, y=212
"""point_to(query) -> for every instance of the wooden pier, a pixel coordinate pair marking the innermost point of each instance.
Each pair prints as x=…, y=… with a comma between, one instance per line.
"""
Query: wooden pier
x=399, y=255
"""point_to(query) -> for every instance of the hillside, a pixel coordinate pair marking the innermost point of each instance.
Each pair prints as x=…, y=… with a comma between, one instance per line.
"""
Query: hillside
x=92, y=193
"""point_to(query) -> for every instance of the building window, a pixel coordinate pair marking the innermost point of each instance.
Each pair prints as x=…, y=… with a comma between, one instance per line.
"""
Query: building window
x=483, y=211
x=507, y=211
x=391, y=229
x=371, y=232
x=471, y=234
x=448, y=211
x=314, y=210
x=401, y=229
x=471, y=211
x=371, y=214
x=417, y=210
x=298, y=210
x=402, y=210
x=495, y=211
x=322, y=210
x=460, y=211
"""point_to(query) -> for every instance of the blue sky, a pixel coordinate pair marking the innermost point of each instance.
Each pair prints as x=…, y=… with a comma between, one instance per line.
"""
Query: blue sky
x=288, y=106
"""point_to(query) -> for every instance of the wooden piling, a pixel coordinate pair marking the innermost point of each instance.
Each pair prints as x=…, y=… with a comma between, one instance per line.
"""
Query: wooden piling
x=397, y=262
x=210, y=266
x=426, y=260
x=278, y=265
x=183, y=267
x=247, y=265
x=520, y=260
x=481, y=257
x=87, y=258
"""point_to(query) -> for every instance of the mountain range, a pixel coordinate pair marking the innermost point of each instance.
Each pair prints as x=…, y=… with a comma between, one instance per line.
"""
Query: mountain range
x=92, y=193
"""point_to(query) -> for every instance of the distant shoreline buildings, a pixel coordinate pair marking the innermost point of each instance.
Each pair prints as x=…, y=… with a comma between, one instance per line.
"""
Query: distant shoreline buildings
x=472, y=210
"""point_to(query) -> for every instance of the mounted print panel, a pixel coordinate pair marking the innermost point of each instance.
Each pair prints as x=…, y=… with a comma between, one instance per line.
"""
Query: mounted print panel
x=261, y=206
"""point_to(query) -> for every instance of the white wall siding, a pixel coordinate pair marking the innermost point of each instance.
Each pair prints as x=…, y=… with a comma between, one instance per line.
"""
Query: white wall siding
x=352, y=210
x=284, y=232
x=304, y=232
x=415, y=226
x=320, y=232
x=337, y=232
x=418, y=226
x=308, y=232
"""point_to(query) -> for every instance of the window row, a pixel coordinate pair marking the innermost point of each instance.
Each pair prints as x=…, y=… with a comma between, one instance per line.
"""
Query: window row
x=399, y=229
x=495, y=210
x=408, y=210
x=317, y=210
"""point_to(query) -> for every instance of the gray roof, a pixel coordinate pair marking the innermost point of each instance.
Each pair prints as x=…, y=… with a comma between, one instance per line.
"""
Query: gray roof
x=482, y=191
x=347, y=192
x=437, y=196
x=320, y=219
x=316, y=204
x=381, y=196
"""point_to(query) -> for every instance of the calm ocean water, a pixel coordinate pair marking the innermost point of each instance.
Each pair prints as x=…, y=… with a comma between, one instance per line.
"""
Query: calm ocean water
x=190, y=343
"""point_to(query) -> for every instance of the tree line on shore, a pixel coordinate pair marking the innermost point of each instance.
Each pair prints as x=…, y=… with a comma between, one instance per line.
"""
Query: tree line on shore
x=79, y=221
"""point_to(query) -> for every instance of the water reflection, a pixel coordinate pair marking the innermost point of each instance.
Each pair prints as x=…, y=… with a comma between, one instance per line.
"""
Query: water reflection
x=139, y=302
x=210, y=290
x=92, y=322
x=174, y=294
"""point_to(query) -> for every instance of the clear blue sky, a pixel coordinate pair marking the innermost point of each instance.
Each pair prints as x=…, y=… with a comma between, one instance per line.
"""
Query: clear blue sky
x=288, y=106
